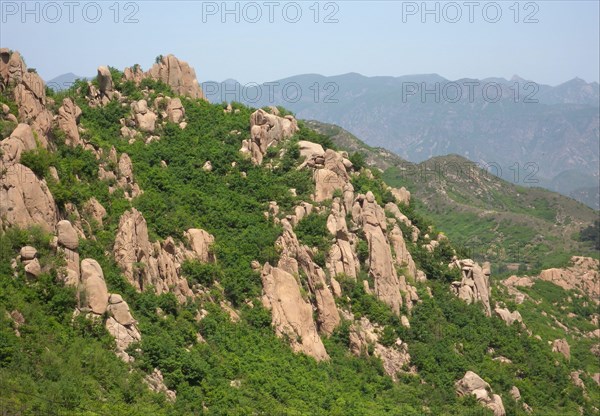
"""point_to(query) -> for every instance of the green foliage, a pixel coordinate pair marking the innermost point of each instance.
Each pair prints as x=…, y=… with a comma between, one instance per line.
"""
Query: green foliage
x=592, y=234
x=358, y=160
x=203, y=273
x=312, y=231
x=37, y=160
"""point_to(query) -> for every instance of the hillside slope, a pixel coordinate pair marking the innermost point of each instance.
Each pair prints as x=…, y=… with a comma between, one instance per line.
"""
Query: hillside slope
x=493, y=219
x=163, y=255
x=499, y=121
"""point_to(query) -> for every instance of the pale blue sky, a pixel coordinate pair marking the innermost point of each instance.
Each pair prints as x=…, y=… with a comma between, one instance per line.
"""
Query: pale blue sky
x=369, y=37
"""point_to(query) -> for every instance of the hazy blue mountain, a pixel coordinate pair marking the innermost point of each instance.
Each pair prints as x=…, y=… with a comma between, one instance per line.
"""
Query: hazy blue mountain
x=527, y=133
x=64, y=81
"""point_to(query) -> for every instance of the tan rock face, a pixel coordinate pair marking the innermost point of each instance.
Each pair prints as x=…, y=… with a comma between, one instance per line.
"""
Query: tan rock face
x=19, y=141
x=105, y=81
x=68, y=118
x=471, y=383
x=178, y=75
x=156, y=384
x=95, y=210
x=364, y=336
x=295, y=256
x=156, y=264
x=403, y=256
x=267, y=130
x=124, y=336
x=29, y=93
x=310, y=149
x=175, y=111
x=145, y=119
x=582, y=275
x=402, y=195
x=118, y=309
x=561, y=346
x=342, y=258
x=474, y=286
x=508, y=316
x=67, y=236
x=96, y=293
x=371, y=217
x=25, y=200
x=200, y=242
x=291, y=314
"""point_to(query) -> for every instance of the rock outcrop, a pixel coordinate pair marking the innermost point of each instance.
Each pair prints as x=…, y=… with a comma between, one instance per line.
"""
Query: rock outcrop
x=122, y=326
x=474, y=286
x=508, y=316
x=29, y=93
x=94, y=210
x=582, y=275
x=19, y=141
x=562, y=346
x=145, y=119
x=178, y=75
x=364, y=337
x=95, y=293
x=367, y=214
x=68, y=118
x=295, y=257
x=31, y=265
x=25, y=200
x=471, y=383
x=291, y=313
x=402, y=195
x=156, y=384
x=267, y=130
x=156, y=264
x=342, y=258
x=68, y=242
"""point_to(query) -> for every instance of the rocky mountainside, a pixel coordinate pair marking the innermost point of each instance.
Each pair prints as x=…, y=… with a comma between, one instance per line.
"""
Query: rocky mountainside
x=516, y=124
x=495, y=220
x=163, y=255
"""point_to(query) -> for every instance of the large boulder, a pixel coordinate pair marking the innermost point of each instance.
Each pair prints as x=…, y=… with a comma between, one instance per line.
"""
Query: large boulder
x=67, y=235
x=200, y=242
x=508, y=316
x=95, y=210
x=29, y=93
x=145, y=119
x=295, y=257
x=19, y=141
x=562, y=346
x=474, y=286
x=175, y=111
x=105, y=81
x=26, y=200
x=178, y=75
x=582, y=275
x=471, y=383
x=68, y=118
x=96, y=293
x=367, y=214
x=267, y=130
x=291, y=314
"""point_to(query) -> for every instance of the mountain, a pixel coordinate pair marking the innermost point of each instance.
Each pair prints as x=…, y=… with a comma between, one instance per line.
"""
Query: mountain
x=530, y=133
x=495, y=220
x=64, y=81
x=162, y=255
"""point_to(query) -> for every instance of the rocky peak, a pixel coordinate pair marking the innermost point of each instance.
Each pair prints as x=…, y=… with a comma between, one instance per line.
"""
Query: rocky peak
x=471, y=383
x=475, y=284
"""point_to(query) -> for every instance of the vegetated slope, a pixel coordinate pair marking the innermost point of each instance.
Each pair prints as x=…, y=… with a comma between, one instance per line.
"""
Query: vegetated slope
x=493, y=219
x=217, y=347
x=492, y=120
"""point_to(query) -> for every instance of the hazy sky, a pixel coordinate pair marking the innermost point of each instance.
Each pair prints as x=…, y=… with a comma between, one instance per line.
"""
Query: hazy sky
x=272, y=41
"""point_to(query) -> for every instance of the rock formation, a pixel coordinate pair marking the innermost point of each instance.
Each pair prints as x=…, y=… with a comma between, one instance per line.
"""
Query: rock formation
x=95, y=293
x=295, y=257
x=364, y=336
x=178, y=75
x=156, y=264
x=145, y=119
x=67, y=243
x=68, y=118
x=291, y=314
x=582, y=274
x=267, y=130
x=562, y=346
x=508, y=316
x=31, y=265
x=25, y=200
x=367, y=214
x=471, y=383
x=342, y=258
x=20, y=140
x=402, y=195
x=474, y=286
x=29, y=93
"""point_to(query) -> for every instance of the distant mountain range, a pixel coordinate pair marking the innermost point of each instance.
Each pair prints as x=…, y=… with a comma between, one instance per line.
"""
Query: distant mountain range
x=64, y=81
x=527, y=133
